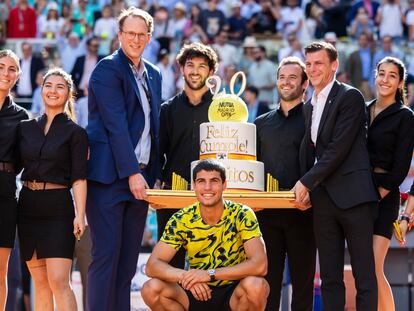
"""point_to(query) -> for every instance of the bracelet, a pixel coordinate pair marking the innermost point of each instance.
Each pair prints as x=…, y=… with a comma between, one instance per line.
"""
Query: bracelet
x=405, y=217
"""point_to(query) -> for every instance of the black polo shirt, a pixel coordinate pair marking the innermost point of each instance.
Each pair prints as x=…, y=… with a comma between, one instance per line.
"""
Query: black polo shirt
x=180, y=134
x=278, y=141
x=10, y=117
x=59, y=156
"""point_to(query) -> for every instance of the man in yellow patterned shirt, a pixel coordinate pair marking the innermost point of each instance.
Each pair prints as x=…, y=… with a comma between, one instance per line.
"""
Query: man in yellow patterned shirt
x=226, y=253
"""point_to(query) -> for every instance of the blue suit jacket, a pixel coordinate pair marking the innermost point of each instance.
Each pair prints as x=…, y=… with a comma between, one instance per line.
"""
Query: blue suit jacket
x=116, y=119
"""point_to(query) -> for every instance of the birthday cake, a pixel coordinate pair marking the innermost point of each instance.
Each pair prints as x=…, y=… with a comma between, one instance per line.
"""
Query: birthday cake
x=231, y=140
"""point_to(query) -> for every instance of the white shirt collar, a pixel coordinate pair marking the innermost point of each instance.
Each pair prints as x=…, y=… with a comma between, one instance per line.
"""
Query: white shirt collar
x=324, y=93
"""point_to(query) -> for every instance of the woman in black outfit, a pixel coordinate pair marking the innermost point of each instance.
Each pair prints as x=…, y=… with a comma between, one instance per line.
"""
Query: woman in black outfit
x=53, y=151
x=10, y=117
x=390, y=146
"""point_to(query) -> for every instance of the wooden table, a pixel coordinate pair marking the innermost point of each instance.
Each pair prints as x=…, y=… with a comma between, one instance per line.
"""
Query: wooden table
x=253, y=199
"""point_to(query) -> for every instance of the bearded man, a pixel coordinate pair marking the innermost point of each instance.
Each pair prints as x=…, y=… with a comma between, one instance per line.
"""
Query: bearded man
x=180, y=120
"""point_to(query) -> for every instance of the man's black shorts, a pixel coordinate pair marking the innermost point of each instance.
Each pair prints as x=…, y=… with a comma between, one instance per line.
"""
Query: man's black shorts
x=220, y=299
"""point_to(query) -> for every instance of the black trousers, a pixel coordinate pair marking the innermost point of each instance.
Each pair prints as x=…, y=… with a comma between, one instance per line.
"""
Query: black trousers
x=163, y=215
x=289, y=232
x=333, y=226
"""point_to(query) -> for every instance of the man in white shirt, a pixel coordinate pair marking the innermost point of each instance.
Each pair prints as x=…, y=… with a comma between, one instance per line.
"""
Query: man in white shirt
x=337, y=180
x=84, y=66
x=106, y=28
x=30, y=65
x=261, y=75
x=294, y=48
x=291, y=19
x=226, y=51
x=70, y=49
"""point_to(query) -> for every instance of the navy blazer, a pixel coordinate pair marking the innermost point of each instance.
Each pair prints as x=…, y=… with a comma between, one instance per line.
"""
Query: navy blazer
x=116, y=119
x=342, y=166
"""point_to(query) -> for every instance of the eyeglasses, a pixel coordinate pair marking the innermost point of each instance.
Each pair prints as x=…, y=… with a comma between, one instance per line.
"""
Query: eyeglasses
x=130, y=35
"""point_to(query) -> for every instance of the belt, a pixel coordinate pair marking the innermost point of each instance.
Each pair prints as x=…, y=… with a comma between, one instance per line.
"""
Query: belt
x=379, y=170
x=39, y=185
x=142, y=166
x=7, y=167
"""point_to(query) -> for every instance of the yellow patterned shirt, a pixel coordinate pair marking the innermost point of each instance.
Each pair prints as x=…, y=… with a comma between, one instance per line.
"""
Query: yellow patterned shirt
x=212, y=246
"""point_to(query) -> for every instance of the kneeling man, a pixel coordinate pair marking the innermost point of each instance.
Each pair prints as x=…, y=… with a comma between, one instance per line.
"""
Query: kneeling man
x=226, y=253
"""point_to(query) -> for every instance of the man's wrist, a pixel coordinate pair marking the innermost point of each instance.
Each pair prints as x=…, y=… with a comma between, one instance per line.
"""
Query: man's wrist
x=212, y=274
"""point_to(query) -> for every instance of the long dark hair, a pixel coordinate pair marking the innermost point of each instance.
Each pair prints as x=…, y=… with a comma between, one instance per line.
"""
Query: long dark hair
x=401, y=94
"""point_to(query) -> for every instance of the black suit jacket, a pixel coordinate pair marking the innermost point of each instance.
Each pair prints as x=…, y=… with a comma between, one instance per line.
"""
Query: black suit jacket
x=342, y=166
x=77, y=71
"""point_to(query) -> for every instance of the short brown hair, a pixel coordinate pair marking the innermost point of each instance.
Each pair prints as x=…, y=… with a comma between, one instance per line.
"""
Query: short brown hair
x=293, y=60
x=196, y=49
x=135, y=12
x=320, y=45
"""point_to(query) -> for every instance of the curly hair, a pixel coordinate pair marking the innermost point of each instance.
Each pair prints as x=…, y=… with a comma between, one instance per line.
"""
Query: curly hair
x=190, y=51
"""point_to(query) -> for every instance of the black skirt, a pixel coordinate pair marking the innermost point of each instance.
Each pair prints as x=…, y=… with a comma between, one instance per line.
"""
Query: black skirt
x=8, y=209
x=388, y=209
x=45, y=223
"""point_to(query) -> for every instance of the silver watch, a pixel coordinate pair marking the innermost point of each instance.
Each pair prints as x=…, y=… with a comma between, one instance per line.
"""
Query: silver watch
x=212, y=274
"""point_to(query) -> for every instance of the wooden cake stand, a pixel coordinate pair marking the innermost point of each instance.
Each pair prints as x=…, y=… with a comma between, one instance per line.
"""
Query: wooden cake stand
x=256, y=200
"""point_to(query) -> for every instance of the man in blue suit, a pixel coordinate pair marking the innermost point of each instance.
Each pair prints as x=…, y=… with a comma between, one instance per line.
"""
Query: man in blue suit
x=124, y=100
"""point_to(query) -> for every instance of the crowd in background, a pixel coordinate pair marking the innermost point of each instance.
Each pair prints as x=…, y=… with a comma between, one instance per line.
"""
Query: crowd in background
x=252, y=36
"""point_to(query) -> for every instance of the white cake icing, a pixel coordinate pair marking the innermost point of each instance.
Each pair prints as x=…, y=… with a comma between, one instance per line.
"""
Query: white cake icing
x=234, y=144
x=242, y=174
x=232, y=140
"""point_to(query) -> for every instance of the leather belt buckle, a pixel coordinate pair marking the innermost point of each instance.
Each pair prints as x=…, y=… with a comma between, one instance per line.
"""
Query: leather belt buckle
x=34, y=185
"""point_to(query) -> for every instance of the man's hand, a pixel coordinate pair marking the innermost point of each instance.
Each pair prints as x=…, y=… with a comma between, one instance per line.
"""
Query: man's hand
x=201, y=291
x=303, y=206
x=302, y=196
x=137, y=185
x=192, y=277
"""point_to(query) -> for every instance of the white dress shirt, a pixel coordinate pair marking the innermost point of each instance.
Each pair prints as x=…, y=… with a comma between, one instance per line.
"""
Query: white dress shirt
x=318, y=102
x=88, y=67
x=24, y=87
x=143, y=148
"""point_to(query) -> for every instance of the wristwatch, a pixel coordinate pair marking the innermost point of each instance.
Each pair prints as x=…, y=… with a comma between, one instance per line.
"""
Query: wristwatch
x=212, y=274
x=405, y=217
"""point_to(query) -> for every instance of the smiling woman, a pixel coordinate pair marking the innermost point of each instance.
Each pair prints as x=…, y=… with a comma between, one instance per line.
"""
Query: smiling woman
x=53, y=151
x=390, y=146
x=58, y=92
x=10, y=116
